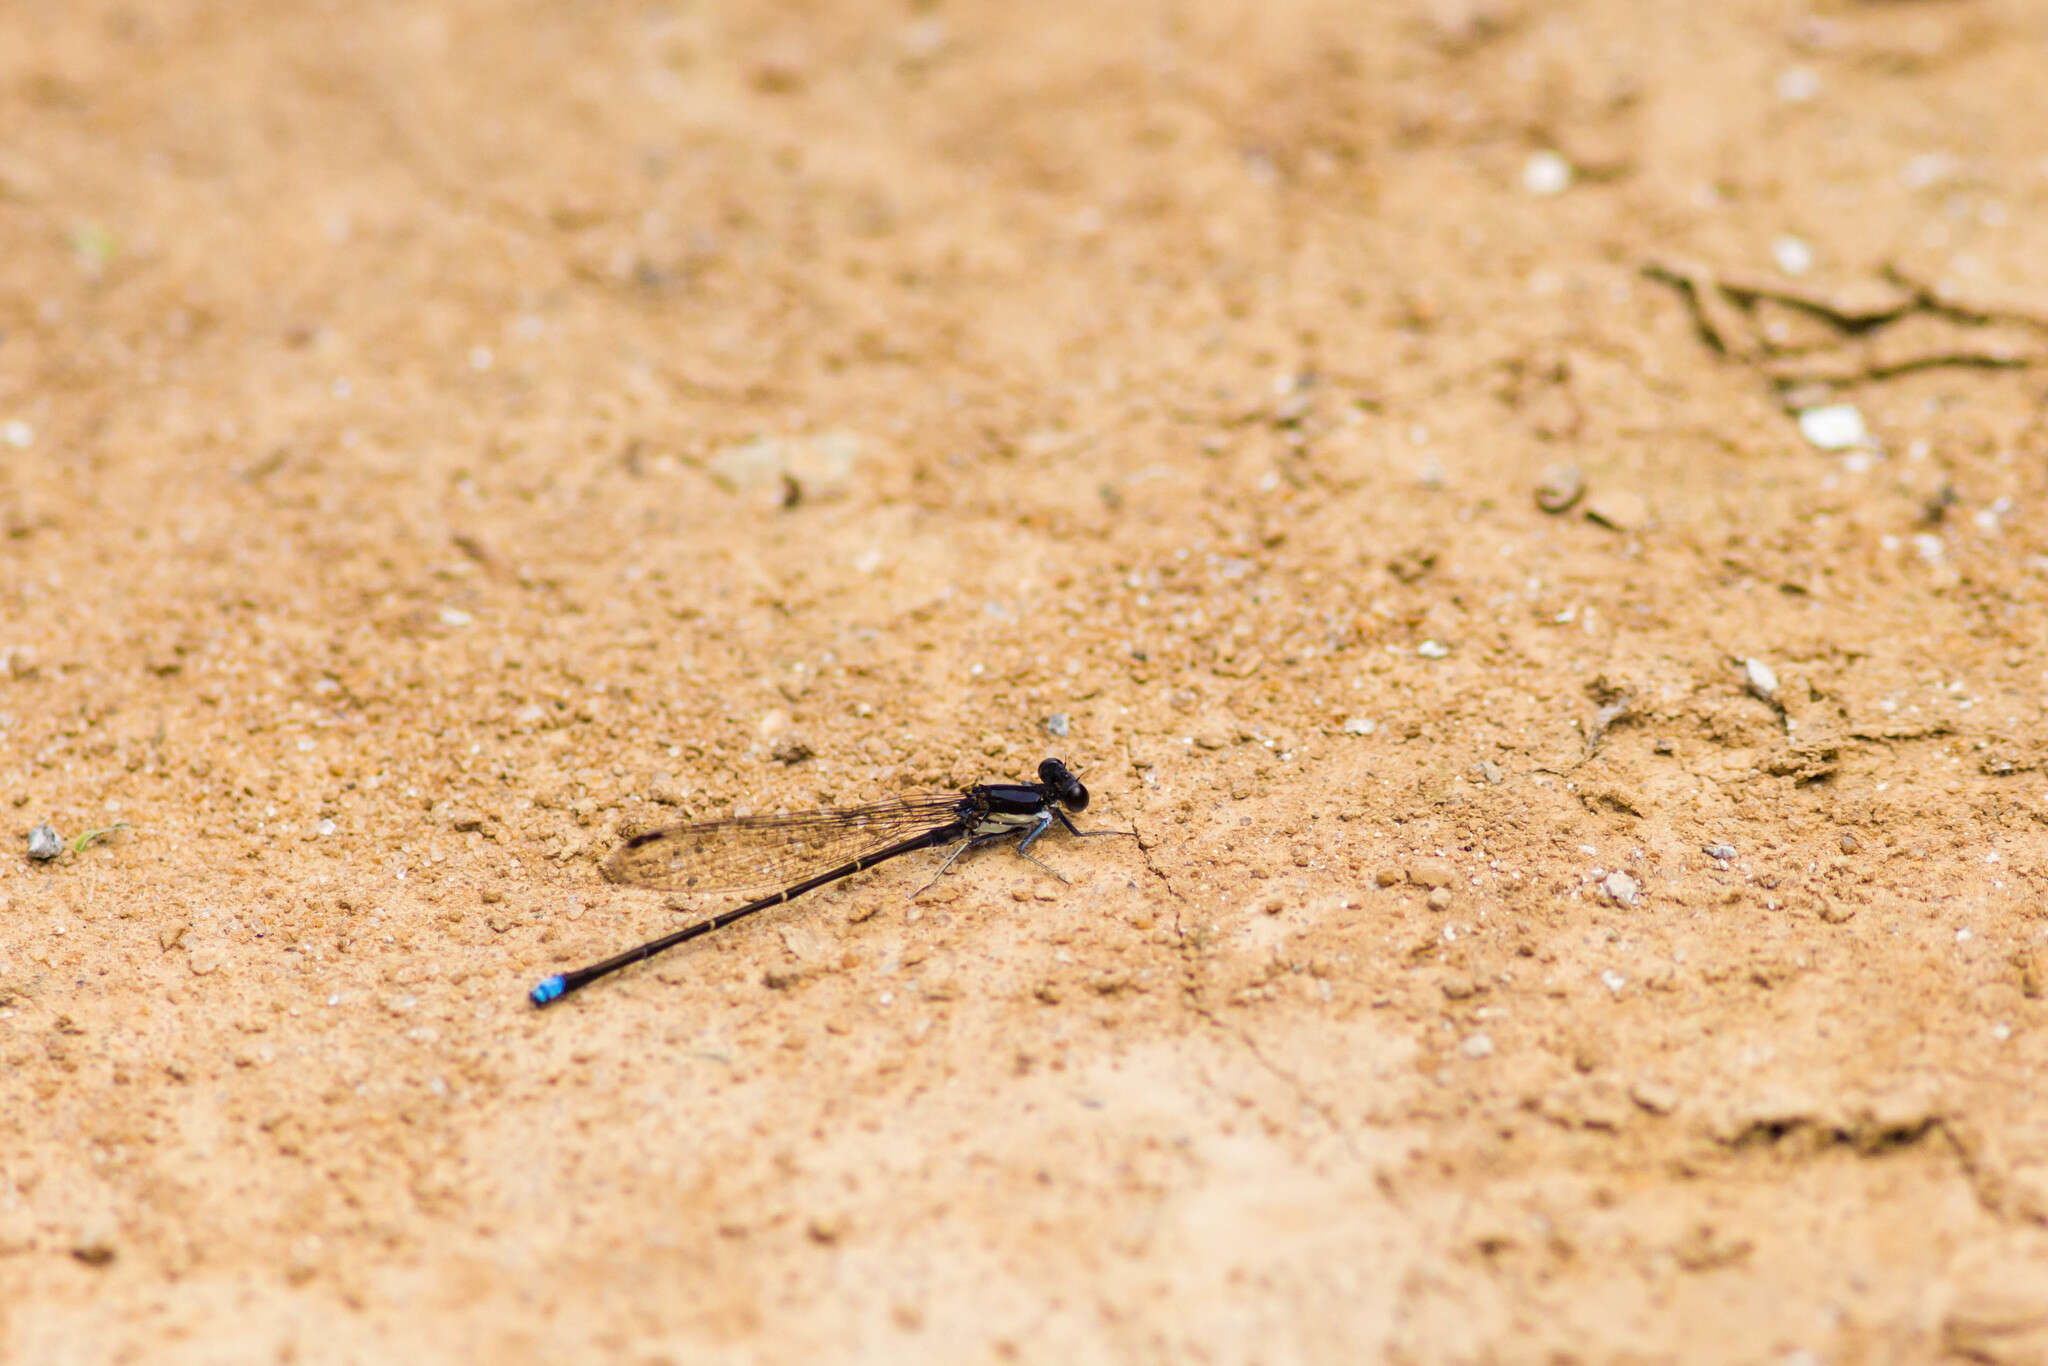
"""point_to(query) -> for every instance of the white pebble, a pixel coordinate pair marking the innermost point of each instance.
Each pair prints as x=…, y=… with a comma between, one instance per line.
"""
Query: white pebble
x=1477, y=1046
x=1761, y=679
x=1431, y=649
x=18, y=434
x=1613, y=981
x=1793, y=256
x=1361, y=725
x=1834, y=427
x=1622, y=889
x=1546, y=173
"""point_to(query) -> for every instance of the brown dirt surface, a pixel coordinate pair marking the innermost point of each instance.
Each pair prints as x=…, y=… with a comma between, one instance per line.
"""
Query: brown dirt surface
x=1533, y=512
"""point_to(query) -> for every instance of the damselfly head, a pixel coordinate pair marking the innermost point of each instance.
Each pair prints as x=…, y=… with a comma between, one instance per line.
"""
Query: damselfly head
x=1064, y=786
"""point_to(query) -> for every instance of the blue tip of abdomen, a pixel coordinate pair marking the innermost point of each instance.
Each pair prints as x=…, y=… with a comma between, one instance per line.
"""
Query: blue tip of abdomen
x=548, y=990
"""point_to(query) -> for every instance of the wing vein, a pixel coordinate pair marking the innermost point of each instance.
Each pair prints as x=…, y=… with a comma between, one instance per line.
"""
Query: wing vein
x=748, y=853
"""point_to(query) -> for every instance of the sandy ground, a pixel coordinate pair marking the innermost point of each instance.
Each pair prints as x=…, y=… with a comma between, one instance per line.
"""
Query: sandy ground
x=1532, y=511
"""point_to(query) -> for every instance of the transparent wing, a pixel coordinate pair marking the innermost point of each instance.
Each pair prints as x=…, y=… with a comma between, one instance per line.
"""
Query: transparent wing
x=759, y=852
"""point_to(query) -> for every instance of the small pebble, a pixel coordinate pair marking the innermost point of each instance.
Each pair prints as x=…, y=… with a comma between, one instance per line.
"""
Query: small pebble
x=44, y=843
x=1546, y=173
x=1490, y=771
x=1723, y=852
x=1622, y=889
x=1850, y=844
x=1429, y=872
x=1431, y=649
x=1457, y=988
x=1613, y=981
x=1386, y=877
x=1760, y=679
x=1793, y=256
x=1057, y=724
x=94, y=1249
x=1560, y=488
x=1361, y=725
x=1476, y=1046
x=1663, y=744
x=1439, y=899
x=1834, y=427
